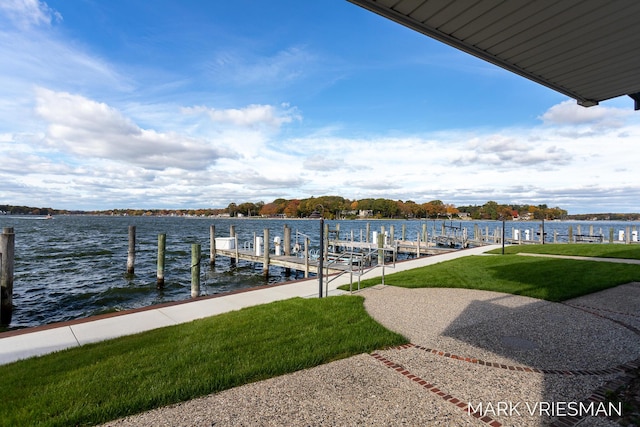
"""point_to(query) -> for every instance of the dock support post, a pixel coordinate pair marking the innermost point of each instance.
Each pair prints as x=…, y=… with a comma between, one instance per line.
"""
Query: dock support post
x=7, y=251
x=424, y=233
x=131, y=254
x=195, y=270
x=321, y=258
x=418, y=246
x=367, y=233
x=392, y=234
x=287, y=240
x=265, y=264
x=404, y=231
x=232, y=233
x=570, y=235
x=611, y=235
x=212, y=246
x=627, y=236
x=306, y=257
x=162, y=244
x=287, y=247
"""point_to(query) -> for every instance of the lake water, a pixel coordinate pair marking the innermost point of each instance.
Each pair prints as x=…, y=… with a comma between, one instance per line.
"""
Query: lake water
x=74, y=266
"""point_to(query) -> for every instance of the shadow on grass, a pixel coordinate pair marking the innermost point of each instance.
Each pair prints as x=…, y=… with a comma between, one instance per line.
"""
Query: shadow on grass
x=559, y=279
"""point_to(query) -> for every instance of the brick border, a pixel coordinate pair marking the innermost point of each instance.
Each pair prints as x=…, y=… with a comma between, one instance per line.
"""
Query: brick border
x=588, y=307
x=598, y=395
x=568, y=372
x=595, y=311
x=433, y=389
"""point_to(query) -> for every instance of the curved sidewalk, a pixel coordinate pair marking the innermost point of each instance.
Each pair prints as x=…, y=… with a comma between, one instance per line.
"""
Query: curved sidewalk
x=24, y=343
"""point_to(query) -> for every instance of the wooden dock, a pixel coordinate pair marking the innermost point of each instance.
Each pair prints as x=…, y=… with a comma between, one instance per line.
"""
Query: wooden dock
x=340, y=255
x=286, y=261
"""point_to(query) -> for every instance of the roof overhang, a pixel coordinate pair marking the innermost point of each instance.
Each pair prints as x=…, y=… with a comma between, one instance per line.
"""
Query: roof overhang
x=588, y=50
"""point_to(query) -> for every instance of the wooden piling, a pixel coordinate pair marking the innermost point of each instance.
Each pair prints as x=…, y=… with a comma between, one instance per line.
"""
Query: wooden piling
x=232, y=233
x=404, y=231
x=287, y=241
x=287, y=246
x=306, y=257
x=131, y=254
x=7, y=252
x=162, y=244
x=195, y=270
x=367, y=233
x=265, y=265
x=212, y=245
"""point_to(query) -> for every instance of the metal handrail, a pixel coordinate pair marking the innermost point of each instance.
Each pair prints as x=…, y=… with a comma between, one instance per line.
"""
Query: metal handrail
x=359, y=258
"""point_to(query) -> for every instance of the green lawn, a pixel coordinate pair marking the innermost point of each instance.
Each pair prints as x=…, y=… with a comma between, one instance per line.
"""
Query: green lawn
x=538, y=277
x=104, y=381
x=578, y=249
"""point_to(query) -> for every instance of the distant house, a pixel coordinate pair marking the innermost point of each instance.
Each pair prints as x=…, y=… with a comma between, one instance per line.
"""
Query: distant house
x=464, y=215
x=365, y=213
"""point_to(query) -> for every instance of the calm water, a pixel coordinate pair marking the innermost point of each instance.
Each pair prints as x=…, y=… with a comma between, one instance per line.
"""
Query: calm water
x=74, y=266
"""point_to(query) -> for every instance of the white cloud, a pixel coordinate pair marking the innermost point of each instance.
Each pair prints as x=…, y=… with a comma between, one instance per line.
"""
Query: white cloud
x=252, y=115
x=28, y=13
x=89, y=129
x=570, y=113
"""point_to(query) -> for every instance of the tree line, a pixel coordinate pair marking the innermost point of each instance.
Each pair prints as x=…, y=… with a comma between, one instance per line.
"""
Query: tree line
x=336, y=207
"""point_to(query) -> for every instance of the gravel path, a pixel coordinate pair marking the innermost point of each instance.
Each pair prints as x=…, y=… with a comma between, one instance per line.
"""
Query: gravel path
x=467, y=347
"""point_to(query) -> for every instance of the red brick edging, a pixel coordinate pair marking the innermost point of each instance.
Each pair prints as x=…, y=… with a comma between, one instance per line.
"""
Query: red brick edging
x=615, y=370
x=447, y=397
x=569, y=421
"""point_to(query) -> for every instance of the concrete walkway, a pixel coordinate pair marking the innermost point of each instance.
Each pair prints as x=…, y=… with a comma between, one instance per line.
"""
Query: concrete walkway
x=24, y=343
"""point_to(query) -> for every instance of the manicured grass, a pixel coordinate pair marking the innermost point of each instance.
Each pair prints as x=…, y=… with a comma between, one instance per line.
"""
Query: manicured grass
x=104, y=381
x=578, y=249
x=544, y=278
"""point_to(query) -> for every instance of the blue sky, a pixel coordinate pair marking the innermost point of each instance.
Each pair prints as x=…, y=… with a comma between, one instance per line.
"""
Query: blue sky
x=191, y=104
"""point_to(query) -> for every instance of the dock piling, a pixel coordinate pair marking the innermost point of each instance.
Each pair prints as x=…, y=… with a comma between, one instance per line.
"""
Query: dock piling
x=265, y=265
x=131, y=254
x=195, y=270
x=162, y=244
x=306, y=257
x=212, y=246
x=232, y=233
x=7, y=253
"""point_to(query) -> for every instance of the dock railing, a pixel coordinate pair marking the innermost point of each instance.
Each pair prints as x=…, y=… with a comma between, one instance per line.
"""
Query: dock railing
x=359, y=263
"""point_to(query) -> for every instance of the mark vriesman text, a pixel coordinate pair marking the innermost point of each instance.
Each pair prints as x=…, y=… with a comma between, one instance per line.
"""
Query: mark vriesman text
x=551, y=409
